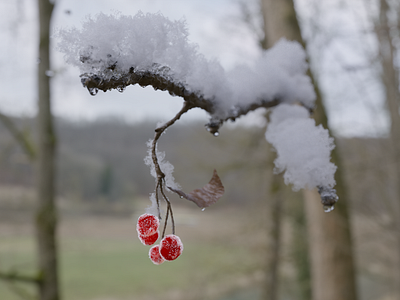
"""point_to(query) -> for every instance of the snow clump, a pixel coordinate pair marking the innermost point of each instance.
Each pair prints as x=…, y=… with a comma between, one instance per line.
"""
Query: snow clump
x=303, y=149
x=111, y=45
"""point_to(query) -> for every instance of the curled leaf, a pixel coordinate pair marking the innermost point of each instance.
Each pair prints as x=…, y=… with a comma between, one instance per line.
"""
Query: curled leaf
x=207, y=195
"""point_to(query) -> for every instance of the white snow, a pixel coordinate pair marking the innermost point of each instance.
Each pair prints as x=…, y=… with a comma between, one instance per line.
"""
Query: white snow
x=303, y=149
x=151, y=41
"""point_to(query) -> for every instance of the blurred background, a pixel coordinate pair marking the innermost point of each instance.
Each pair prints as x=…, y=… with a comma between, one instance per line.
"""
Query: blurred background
x=258, y=241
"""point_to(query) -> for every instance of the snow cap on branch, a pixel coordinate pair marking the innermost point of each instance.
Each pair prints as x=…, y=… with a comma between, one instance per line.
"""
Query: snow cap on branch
x=303, y=149
x=113, y=51
x=127, y=41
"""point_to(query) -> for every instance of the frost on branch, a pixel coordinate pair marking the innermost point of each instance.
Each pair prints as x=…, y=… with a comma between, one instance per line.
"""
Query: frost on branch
x=165, y=166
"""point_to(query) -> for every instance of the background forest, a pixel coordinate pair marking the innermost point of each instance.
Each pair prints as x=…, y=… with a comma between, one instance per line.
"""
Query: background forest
x=103, y=186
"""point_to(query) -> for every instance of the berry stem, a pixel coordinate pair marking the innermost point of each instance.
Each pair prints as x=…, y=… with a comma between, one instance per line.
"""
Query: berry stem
x=169, y=211
x=158, y=200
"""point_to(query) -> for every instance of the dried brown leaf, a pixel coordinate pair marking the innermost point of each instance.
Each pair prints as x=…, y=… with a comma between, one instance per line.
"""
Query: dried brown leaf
x=207, y=195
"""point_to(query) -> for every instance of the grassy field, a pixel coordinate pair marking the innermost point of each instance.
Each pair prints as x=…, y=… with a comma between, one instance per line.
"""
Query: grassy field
x=102, y=258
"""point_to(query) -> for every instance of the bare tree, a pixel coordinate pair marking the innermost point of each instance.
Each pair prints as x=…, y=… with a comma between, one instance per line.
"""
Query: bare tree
x=46, y=279
x=390, y=80
x=333, y=273
x=274, y=224
x=46, y=219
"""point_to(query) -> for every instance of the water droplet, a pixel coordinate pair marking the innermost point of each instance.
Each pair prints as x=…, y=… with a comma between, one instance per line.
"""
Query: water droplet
x=203, y=209
x=49, y=73
x=120, y=89
x=93, y=91
x=328, y=208
x=216, y=133
x=208, y=129
x=181, y=197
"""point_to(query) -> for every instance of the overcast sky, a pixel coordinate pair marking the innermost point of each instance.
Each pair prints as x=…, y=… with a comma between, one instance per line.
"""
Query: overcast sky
x=214, y=25
x=217, y=28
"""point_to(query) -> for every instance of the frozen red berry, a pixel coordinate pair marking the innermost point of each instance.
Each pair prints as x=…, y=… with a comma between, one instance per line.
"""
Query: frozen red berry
x=149, y=239
x=155, y=256
x=171, y=247
x=147, y=224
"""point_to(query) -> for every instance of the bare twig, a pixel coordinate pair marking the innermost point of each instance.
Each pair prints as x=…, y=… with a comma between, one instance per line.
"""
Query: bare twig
x=13, y=277
x=169, y=208
x=20, y=292
x=19, y=136
x=159, y=132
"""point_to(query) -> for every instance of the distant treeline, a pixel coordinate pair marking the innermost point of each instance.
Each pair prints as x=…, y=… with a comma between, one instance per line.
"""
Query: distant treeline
x=104, y=160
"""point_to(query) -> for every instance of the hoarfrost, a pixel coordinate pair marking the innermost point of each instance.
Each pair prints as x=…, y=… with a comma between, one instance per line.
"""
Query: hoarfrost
x=153, y=209
x=166, y=167
x=303, y=149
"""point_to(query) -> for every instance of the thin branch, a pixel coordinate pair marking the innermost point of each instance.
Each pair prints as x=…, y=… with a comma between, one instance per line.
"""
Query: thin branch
x=169, y=207
x=160, y=182
x=20, y=292
x=159, y=131
x=157, y=78
x=160, y=79
x=157, y=199
x=165, y=222
x=19, y=136
x=13, y=276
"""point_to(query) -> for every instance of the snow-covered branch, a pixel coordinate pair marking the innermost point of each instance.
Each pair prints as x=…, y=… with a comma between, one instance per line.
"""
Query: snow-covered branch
x=161, y=81
x=115, y=51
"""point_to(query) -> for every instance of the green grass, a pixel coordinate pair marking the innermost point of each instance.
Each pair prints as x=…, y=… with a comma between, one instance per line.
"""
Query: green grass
x=118, y=269
x=115, y=269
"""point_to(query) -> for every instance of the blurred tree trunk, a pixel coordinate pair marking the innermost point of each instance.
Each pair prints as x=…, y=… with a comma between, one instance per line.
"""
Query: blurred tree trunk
x=332, y=265
x=274, y=220
x=46, y=219
x=299, y=247
x=390, y=79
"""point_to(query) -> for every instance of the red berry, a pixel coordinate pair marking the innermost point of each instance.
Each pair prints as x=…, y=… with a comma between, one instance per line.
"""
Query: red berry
x=147, y=224
x=149, y=239
x=155, y=256
x=171, y=247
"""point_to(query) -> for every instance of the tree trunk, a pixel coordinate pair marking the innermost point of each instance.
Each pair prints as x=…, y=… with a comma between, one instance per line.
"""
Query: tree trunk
x=46, y=218
x=390, y=79
x=331, y=246
x=332, y=265
x=274, y=220
x=299, y=248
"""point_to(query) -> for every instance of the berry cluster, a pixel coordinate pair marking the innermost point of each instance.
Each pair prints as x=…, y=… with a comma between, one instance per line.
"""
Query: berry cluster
x=170, y=247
